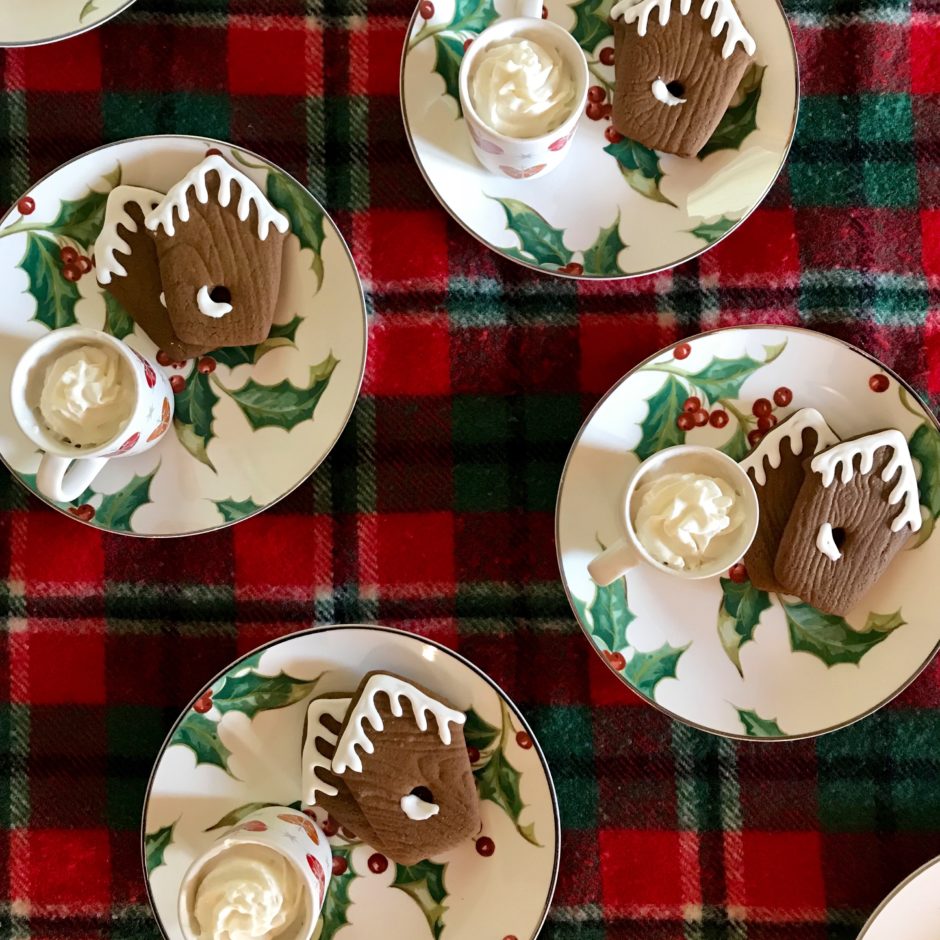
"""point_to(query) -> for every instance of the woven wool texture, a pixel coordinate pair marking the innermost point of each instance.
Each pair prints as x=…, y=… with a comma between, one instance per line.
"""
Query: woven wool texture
x=435, y=511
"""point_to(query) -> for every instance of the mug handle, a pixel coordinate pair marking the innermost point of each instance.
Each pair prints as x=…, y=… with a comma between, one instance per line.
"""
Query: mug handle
x=612, y=563
x=62, y=482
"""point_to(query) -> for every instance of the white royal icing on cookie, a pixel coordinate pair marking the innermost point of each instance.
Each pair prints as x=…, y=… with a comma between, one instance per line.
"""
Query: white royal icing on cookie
x=163, y=298
x=313, y=759
x=826, y=543
x=662, y=93
x=208, y=306
x=905, y=490
x=792, y=428
x=356, y=735
x=115, y=214
x=417, y=809
x=721, y=12
x=250, y=195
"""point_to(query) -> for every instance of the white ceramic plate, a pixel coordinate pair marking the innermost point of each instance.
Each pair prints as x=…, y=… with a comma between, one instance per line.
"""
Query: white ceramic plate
x=722, y=656
x=610, y=210
x=32, y=24
x=246, y=750
x=247, y=433
x=911, y=911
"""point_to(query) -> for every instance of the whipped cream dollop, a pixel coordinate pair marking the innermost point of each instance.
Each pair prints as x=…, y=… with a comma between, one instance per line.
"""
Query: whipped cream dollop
x=684, y=519
x=249, y=892
x=521, y=89
x=87, y=395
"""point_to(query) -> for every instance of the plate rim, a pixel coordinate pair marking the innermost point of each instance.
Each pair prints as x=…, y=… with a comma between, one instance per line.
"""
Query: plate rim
x=6, y=44
x=893, y=893
x=501, y=252
x=731, y=735
x=365, y=331
x=338, y=628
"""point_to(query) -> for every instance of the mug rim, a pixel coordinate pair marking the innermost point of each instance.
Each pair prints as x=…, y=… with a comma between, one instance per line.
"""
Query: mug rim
x=521, y=23
x=45, y=441
x=750, y=493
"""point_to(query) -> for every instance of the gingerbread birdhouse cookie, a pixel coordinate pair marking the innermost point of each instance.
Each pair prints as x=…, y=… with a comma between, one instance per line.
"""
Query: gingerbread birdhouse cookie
x=677, y=65
x=856, y=509
x=126, y=266
x=220, y=243
x=775, y=467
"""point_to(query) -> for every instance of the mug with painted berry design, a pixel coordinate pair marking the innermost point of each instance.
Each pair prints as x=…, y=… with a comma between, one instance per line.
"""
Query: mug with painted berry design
x=523, y=146
x=84, y=397
x=690, y=511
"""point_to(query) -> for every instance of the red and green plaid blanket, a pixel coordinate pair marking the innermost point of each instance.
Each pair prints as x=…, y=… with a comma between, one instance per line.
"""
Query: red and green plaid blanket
x=435, y=511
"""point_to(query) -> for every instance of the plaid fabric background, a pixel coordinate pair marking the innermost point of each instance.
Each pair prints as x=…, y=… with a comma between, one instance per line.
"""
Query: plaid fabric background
x=435, y=511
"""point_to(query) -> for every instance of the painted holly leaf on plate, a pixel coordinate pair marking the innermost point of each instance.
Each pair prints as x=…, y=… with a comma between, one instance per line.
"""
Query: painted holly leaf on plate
x=281, y=334
x=659, y=429
x=925, y=449
x=335, y=914
x=193, y=416
x=117, y=321
x=601, y=257
x=117, y=509
x=757, y=727
x=448, y=54
x=831, y=639
x=640, y=168
x=590, y=23
x=738, y=615
x=424, y=884
x=736, y=447
x=723, y=378
x=712, y=232
x=155, y=845
x=252, y=692
x=232, y=510
x=306, y=216
x=611, y=615
x=472, y=16
x=283, y=405
x=741, y=118
x=539, y=241
x=87, y=10
x=498, y=782
x=479, y=733
x=55, y=296
x=646, y=670
x=201, y=736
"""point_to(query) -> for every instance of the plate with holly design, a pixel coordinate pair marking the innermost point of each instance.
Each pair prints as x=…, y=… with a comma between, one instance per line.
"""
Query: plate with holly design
x=32, y=24
x=237, y=747
x=251, y=422
x=720, y=654
x=910, y=911
x=613, y=208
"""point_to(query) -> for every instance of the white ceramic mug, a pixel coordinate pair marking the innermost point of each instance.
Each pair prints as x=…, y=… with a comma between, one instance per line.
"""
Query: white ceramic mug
x=615, y=561
x=286, y=832
x=524, y=157
x=66, y=470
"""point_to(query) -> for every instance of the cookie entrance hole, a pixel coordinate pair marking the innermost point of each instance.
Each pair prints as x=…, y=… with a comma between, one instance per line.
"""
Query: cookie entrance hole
x=423, y=793
x=220, y=294
x=676, y=89
x=838, y=536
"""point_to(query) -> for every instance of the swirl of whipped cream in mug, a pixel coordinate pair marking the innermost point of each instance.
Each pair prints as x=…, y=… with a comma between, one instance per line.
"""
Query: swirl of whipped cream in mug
x=87, y=395
x=521, y=89
x=249, y=892
x=684, y=519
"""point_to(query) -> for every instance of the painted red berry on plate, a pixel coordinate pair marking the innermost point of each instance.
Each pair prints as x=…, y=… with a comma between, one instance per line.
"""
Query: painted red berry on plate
x=72, y=272
x=473, y=753
x=213, y=152
x=467, y=43
x=594, y=111
x=206, y=365
x=164, y=359
x=613, y=135
x=607, y=55
x=544, y=12
x=596, y=93
x=575, y=268
x=766, y=422
x=330, y=827
x=177, y=383
x=523, y=740
x=84, y=512
x=782, y=397
x=340, y=866
x=378, y=863
x=682, y=351
x=738, y=573
x=755, y=437
x=485, y=846
x=84, y=263
x=203, y=704
x=762, y=407
x=426, y=9
x=692, y=403
x=685, y=421
x=27, y=205
x=879, y=382
x=700, y=418
x=511, y=936
x=68, y=254
x=718, y=419
x=616, y=660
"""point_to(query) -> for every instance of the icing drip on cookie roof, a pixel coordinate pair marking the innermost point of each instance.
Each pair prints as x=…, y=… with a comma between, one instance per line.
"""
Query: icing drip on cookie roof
x=115, y=214
x=721, y=12
x=197, y=180
x=356, y=735
x=905, y=490
x=792, y=429
x=314, y=760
